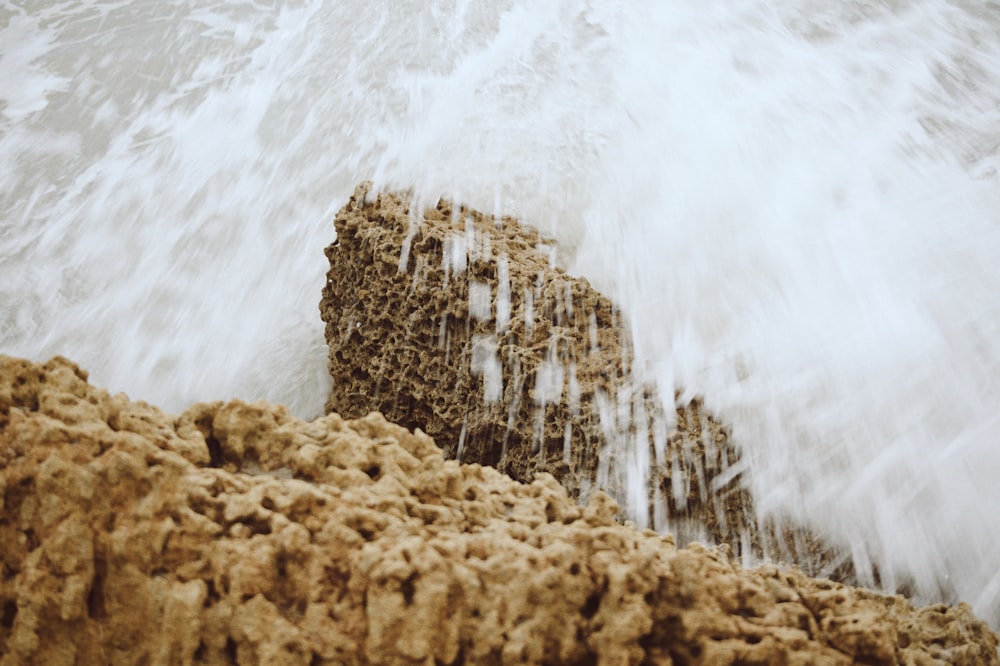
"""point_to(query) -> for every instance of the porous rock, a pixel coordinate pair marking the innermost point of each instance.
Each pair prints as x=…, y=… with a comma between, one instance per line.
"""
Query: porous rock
x=463, y=325
x=236, y=533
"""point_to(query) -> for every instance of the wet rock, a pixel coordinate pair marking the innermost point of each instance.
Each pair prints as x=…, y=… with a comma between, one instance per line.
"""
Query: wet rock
x=236, y=533
x=462, y=325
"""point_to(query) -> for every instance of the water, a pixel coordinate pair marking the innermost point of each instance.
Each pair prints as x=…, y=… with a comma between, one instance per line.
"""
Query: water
x=796, y=204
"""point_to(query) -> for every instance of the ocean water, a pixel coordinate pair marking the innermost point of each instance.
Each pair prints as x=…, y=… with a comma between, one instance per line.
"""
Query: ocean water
x=797, y=204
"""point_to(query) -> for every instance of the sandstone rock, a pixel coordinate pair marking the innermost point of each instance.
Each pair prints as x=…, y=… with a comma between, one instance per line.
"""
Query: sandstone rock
x=235, y=533
x=462, y=325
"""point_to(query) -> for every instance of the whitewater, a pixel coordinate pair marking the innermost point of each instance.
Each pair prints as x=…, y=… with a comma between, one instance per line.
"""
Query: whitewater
x=796, y=204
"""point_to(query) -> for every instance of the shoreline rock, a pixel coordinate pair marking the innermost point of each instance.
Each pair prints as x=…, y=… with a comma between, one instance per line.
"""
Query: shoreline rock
x=462, y=324
x=236, y=533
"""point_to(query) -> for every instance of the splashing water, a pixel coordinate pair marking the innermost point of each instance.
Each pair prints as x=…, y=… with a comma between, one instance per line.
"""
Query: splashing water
x=797, y=207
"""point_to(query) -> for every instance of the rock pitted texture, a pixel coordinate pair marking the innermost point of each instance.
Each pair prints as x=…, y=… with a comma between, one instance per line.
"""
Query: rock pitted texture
x=236, y=533
x=460, y=324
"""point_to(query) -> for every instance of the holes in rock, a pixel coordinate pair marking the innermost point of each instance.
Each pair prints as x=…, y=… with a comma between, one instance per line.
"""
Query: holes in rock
x=281, y=565
x=258, y=525
x=574, y=569
x=373, y=471
x=804, y=623
x=215, y=453
x=753, y=640
x=212, y=596
x=95, y=599
x=407, y=588
x=590, y=606
x=7, y=613
x=648, y=641
x=205, y=506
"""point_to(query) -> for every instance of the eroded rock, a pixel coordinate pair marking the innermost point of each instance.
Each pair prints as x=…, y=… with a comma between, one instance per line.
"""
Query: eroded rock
x=235, y=533
x=462, y=325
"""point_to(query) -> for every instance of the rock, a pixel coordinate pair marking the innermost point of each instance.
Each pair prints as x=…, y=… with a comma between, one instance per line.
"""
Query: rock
x=462, y=325
x=236, y=533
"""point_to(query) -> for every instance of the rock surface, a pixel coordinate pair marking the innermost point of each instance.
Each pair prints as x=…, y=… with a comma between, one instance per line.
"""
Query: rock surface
x=235, y=533
x=462, y=325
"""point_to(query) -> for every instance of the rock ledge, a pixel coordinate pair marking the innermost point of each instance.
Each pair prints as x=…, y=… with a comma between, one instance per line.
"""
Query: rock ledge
x=235, y=533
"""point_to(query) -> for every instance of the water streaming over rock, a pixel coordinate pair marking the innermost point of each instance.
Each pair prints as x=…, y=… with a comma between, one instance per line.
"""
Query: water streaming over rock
x=796, y=204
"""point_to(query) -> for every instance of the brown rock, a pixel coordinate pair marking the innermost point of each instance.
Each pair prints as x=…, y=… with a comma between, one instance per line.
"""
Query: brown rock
x=462, y=325
x=236, y=533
